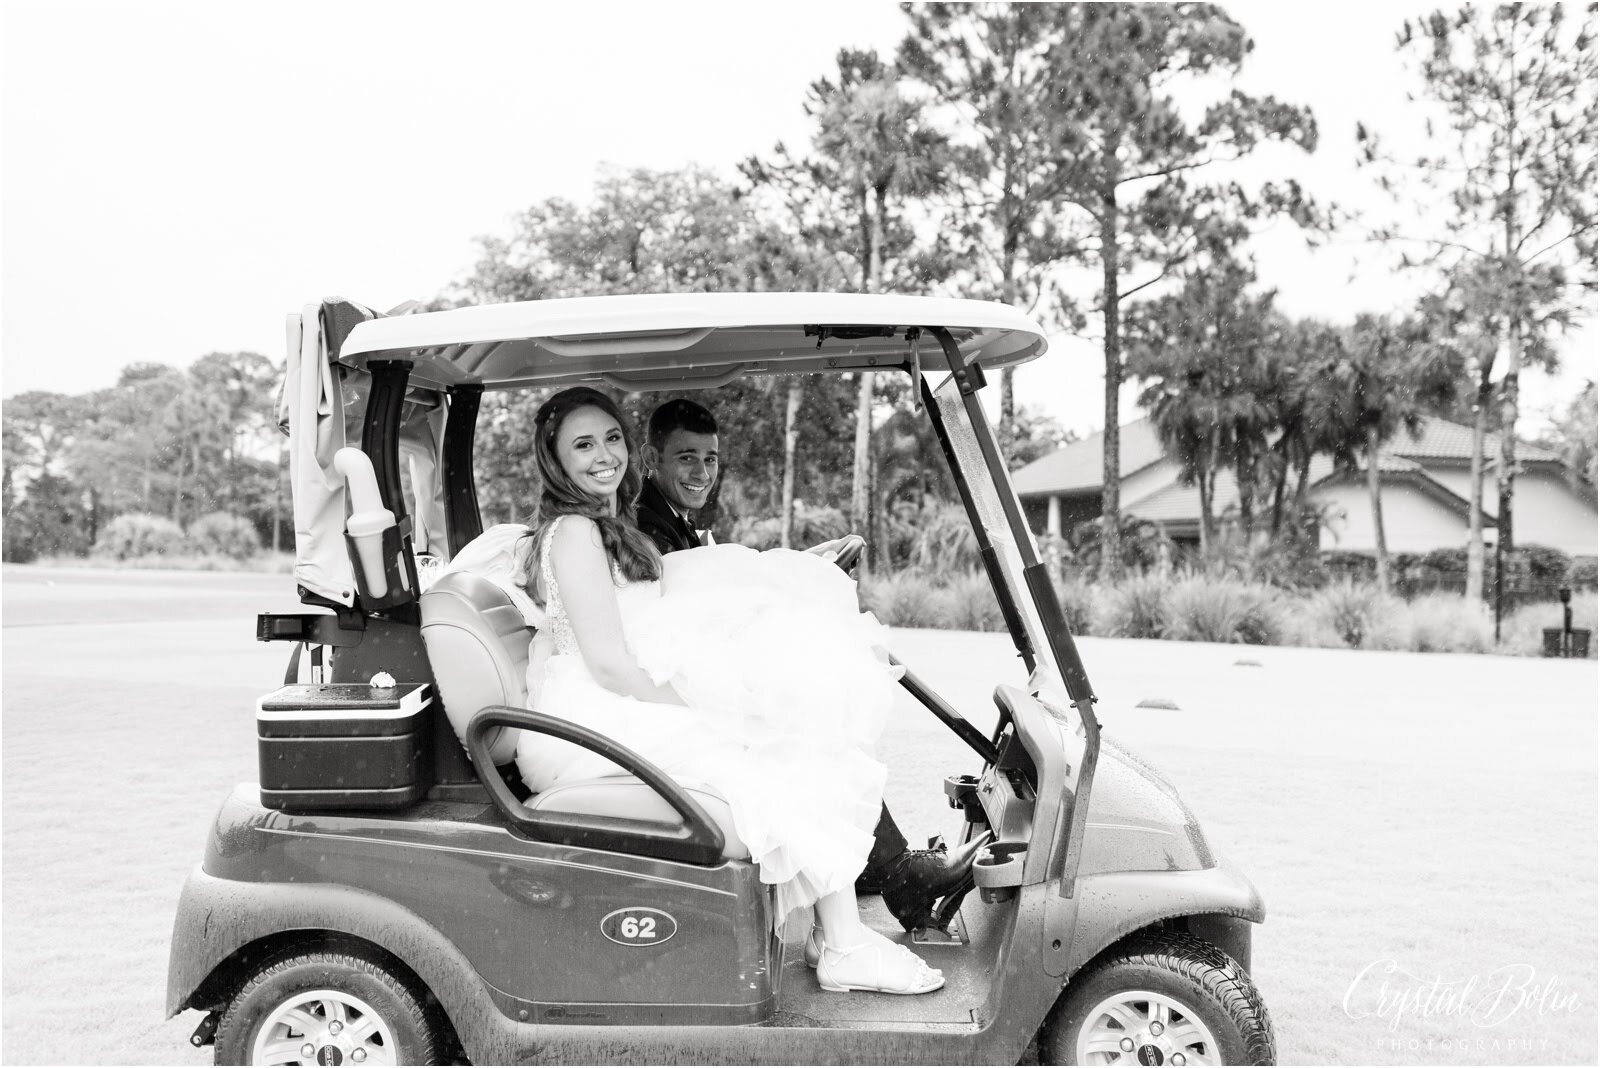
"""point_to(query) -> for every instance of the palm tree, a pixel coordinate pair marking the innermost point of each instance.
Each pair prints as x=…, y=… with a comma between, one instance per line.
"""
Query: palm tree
x=872, y=151
x=877, y=140
x=1393, y=375
x=1305, y=356
x=1202, y=352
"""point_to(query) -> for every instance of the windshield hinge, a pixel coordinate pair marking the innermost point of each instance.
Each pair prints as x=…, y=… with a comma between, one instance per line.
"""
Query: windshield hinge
x=914, y=336
x=969, y=378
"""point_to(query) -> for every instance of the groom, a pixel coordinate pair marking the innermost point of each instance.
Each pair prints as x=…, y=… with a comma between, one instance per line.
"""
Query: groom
x=681, y=466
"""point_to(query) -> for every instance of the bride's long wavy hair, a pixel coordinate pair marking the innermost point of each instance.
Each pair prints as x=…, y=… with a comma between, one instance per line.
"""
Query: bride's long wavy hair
x=632, y=550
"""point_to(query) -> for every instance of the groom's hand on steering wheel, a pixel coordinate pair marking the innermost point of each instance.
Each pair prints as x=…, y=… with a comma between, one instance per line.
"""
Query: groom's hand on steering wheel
x=845, y=551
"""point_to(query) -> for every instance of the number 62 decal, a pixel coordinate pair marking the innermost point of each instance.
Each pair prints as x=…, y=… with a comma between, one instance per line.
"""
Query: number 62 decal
x=638, y=926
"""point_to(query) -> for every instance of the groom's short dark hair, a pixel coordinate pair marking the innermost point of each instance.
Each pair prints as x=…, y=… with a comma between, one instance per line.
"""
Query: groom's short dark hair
x=679, y=414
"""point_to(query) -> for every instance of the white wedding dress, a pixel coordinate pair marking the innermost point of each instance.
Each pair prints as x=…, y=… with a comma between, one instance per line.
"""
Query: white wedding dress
x=787, y=690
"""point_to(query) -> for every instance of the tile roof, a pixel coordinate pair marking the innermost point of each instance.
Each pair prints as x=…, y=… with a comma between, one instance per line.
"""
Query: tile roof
x=1076, y=468
x=1177, y=503
x=1322, y=468
x=1079, y=465
x=1440, y=439
x=1439, y=443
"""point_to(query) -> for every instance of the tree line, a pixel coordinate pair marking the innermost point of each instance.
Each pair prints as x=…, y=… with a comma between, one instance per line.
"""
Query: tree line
x=1069, y=159
x=176, y=443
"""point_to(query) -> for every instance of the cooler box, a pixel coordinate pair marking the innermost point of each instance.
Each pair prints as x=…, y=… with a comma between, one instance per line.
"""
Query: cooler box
x=343, y=746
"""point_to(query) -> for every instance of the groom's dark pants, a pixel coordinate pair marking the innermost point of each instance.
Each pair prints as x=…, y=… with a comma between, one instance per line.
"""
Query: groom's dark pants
x=888, y=843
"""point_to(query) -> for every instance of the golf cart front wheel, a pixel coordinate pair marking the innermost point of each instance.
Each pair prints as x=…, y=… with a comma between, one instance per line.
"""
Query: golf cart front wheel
x=326, y=1008
x=1163, y=998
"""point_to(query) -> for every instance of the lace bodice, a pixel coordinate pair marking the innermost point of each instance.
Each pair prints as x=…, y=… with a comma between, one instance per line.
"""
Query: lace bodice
x=566, y=643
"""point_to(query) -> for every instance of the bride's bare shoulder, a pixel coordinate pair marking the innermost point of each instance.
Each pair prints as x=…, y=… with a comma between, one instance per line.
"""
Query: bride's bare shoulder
x=575, y=535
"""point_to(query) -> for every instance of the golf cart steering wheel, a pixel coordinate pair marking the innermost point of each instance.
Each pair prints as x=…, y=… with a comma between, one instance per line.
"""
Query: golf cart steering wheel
x=854, y=545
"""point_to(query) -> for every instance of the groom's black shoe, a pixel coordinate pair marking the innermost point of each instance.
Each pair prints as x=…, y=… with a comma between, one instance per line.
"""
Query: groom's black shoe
x=914, y=881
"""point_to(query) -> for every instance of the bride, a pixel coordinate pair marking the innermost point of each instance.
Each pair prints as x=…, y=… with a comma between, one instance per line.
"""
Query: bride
x=755, y=673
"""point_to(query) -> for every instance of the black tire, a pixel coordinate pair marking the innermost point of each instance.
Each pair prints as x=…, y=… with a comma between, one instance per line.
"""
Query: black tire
x=406, y=1033
x=1202, y=982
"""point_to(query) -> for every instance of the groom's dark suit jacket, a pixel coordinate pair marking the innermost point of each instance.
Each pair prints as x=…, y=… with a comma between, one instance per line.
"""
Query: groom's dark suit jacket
x=657, y=519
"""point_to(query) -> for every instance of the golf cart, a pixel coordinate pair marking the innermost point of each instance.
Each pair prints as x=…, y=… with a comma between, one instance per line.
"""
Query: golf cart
x=390, y=893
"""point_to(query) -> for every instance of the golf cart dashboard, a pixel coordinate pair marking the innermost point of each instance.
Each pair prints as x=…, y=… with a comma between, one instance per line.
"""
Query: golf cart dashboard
x=1007, y=790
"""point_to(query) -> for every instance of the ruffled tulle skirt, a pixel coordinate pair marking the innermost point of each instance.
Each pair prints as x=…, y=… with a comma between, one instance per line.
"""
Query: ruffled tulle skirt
x=788, y=691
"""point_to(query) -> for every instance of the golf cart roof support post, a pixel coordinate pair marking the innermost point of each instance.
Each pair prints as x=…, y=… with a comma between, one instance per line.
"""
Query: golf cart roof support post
x=380, y=435
x=380, y=440
x=986, y=550
x=462, y=513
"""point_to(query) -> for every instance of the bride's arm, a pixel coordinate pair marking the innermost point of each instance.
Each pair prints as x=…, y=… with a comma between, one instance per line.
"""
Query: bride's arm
x=584, y=576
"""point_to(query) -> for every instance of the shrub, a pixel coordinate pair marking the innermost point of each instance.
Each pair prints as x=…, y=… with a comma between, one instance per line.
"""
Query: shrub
x=1294, y=565
x=1221, y=609
x=1079, y=601
x=937, y=539
x=281, y=563
x=963, y=601
x=903, y=599
x=1358, y=616
x=1142, y=545
x=136, y=534
x=1202, y=609
x=1307, y=627
x=810, y=526
x=1288, y=562
x=1449, y=623
x=1534, y=568
x=967, y=602
x=1583, y=572
x=1449, y=561
x=1137, y=608
x=49, y=521
x=1348, y=565
x=224, y=534
x=1407, y=576
x=1546, y=565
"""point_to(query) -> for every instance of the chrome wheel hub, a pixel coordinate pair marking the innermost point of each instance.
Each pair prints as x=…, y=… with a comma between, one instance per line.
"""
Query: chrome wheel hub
x=1146, y=1028
x=324, y=1027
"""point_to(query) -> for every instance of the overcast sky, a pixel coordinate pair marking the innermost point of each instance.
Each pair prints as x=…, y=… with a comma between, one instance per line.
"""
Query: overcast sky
x=178, y=176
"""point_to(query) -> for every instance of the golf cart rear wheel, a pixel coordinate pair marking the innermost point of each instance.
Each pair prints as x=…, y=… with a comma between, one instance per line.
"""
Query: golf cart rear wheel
x=1162, y=998
x=326, y=1008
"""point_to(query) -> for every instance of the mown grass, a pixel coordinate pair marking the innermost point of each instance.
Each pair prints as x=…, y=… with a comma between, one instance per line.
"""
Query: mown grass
x=280, y=563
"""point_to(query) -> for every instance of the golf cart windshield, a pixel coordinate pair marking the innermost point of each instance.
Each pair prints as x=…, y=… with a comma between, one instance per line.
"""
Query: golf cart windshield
x=991, y=515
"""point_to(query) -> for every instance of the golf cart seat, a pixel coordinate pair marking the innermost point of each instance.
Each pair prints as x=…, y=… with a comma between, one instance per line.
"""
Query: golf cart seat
x=478, y=643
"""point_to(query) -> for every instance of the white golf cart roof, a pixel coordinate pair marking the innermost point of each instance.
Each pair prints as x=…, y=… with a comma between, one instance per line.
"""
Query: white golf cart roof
x=674, y=340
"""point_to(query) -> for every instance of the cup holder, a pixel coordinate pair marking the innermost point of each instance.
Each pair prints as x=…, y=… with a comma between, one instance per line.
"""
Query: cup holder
x=998, y=870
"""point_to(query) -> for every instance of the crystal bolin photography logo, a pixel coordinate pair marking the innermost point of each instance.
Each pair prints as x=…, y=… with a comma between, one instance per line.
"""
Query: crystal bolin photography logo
x=1385, y=991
